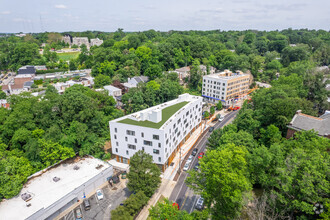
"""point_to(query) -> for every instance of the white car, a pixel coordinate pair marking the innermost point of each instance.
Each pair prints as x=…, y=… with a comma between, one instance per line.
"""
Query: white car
x=190, y=158
x=186, y=167
x=99, y=194
x=221, y=118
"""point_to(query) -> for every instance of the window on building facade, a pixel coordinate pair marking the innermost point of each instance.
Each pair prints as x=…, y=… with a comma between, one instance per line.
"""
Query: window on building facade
x=178, y=134
x=159, y=159
x=148, y=143
x=155, y=137
x=115, y=129
x=115, y=136
x=117, y=144
x=135, y=140
x=176, y=130
x=156, y=151
x=167, y=141
x=143, y=148
x=128, y=132
x=223, y=84
x=116, y=150
x=126, y=139
x=131, y=146
x=159, y=145
x=142, y=134
x=179, y=120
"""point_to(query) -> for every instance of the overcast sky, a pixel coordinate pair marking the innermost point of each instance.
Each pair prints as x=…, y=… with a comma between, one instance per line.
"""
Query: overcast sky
x=139, y=15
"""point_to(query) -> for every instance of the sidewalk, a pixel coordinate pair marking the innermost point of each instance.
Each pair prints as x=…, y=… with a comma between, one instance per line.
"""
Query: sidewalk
x=164, y=190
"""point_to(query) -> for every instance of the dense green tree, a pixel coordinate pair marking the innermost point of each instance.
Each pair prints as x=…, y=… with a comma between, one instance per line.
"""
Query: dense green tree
x=51, y=153
x=212, y=110
x=144, y=175
x=166, y=210
x=219, y=106
x=102, y=80
x=291, y=54
x=13, y=174
x=222, y=181
x=3, y=95
x=270, y=135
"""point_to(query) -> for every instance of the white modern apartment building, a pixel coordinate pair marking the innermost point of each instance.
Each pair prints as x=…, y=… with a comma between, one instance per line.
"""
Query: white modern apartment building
x=160, y=130
x=226, y=87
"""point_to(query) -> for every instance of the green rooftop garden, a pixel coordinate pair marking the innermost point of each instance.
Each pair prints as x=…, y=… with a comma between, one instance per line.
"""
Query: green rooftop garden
x=166, y=114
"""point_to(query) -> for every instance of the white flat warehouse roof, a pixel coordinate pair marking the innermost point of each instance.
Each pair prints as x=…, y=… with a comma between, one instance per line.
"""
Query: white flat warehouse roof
x=45, y=191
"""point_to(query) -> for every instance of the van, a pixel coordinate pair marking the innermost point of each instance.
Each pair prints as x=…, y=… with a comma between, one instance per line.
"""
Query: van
x=87, y=205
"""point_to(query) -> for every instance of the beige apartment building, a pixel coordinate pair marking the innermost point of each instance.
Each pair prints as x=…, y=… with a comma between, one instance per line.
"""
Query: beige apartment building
x=227, y=87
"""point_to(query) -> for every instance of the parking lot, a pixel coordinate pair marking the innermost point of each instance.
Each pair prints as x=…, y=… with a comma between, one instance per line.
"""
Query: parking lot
x=100, y=209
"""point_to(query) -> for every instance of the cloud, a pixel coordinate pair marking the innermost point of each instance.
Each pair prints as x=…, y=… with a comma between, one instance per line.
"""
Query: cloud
x=5, y=12
x=61, y=6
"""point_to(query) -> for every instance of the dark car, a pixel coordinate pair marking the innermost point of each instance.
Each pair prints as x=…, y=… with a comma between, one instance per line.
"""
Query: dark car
x=196, y=167
x=194, y=152
x=211, y=129
x=87, y=205
x=200, y=203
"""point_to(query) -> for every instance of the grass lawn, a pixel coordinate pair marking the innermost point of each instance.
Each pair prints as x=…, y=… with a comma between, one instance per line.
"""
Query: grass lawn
x=68, y=56
x=166, y=114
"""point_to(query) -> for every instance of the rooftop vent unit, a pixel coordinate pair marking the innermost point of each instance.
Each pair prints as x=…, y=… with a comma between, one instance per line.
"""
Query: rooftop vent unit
x=26, y=196
x=56, y=179
x=76, y=167
x=99, y=166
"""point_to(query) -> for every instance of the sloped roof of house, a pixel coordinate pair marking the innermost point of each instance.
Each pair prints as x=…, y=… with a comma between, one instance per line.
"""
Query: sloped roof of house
x=302, y=121
x=183, y=69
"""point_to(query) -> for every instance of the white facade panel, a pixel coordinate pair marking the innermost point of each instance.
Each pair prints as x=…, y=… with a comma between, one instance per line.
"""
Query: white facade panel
x=127, y=139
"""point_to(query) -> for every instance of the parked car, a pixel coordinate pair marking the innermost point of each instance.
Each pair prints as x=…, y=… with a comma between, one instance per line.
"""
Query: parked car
x=194, y=152
x=221, y=118
x=190, y=158
x=78, y=214
x=236, y=108
x=196, y=167
x=99, y=194
x=201, y=154
x=200, y=203
x=211, y=129
x=87, y=205
x=186, y=167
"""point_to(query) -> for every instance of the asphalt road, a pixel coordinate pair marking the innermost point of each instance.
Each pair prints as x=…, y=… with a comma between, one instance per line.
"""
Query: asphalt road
x=183, y=195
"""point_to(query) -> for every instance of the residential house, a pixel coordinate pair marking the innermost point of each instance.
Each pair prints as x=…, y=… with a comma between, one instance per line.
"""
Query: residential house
x=27, y=70
x=113, y=91
x=203, y=69
x=303, y=122
x=137, y=79
x=18, y=86
x=4, y=103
